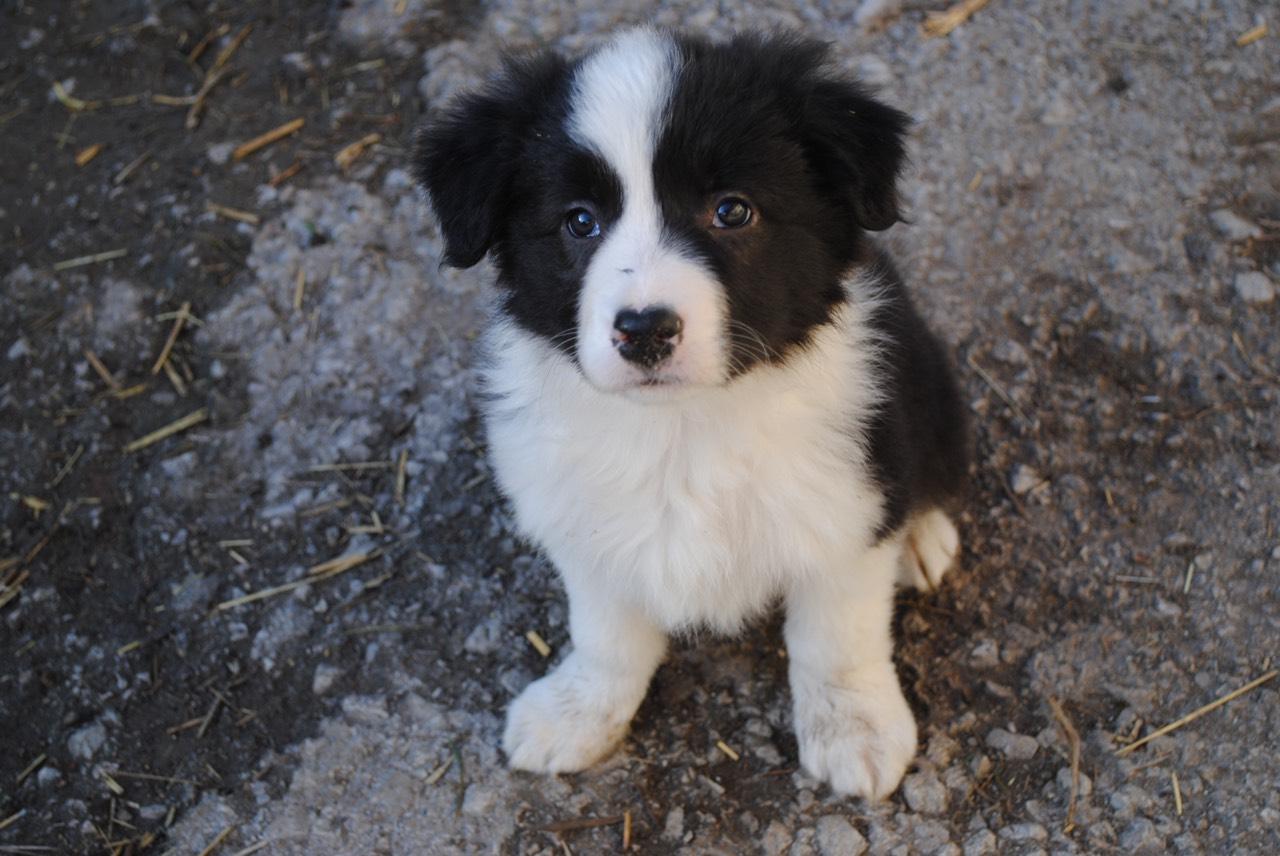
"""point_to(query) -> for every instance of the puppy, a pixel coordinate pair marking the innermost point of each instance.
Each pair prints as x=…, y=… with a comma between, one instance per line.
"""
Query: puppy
x=706, y=390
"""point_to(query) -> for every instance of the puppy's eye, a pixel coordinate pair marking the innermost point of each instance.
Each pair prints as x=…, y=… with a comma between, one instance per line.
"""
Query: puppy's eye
x=732, y=213
x=582, y=223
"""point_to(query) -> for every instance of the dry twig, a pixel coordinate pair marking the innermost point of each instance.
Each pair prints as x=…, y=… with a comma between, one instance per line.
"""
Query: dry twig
x=262, y=140
x=169, y=430
x=1073, y=738
x=1198, y=712
x=941, y=23
x=178, y=324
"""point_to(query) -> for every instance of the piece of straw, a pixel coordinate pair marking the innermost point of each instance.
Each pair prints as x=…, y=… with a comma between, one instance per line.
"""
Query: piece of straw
x=1198, y=712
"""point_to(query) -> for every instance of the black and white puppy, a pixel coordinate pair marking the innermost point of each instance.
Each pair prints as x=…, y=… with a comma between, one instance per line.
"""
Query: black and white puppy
x=706, y=390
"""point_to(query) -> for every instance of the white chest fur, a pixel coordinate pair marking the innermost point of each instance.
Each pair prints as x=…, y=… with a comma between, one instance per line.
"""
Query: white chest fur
x=698, y=511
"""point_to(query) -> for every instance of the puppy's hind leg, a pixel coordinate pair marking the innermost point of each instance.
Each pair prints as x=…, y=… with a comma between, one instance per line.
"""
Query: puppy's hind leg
x=574, y=716
x=931, y=547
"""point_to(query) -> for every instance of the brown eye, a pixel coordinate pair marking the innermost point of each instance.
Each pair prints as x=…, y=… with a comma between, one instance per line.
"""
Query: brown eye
x=732, y=213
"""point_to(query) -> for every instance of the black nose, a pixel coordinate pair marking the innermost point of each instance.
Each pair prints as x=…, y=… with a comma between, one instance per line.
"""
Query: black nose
x=646, y=336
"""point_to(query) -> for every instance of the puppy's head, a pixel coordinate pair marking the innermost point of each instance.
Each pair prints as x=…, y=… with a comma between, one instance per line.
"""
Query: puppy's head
x=668, y=212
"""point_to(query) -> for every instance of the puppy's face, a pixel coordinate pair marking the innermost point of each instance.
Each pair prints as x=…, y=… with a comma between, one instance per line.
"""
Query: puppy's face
x=667, y=212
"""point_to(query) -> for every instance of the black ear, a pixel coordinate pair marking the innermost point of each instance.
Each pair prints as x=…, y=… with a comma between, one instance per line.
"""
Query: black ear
x=856, y=145
x=468, y=154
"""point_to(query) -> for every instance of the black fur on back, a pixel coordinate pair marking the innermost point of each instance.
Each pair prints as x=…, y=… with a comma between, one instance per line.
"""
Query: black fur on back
x=919, y=435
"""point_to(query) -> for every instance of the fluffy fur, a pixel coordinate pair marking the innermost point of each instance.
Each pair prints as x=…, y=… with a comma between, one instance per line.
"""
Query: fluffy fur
x=796, y=438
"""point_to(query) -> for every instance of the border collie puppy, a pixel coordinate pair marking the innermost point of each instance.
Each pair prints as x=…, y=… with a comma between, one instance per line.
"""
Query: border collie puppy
x=706, y=390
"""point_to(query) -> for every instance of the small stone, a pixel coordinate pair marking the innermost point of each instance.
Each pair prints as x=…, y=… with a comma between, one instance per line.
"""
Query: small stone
x=837, y=837
x=872, y=13
x=673, y=828
x=18, y=349
x=776, y=840
x=220, y=153
x=941, y=749
x=1016, y=747
x=485, y=638
x=873, y=71
x=1255, y=287
x=1025, y=832
x=479, y=800
x=1064, y=782
x=86, y=742
x=1234, y=227
x=48, y=775
x=986, y=654
x=324, y=677
x=1058, y=111
x=924, y=792
x=1025, y=479
x=980, y=843
x=1141, y=836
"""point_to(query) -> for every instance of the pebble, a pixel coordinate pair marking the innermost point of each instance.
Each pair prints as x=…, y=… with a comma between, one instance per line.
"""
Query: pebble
x=776, y=840
x=873, y=71
x=1255, y=287
x=85, y=742
x=1064, y=782
x=324, y=677
x=1025, y=832
x=924, y=792
x=673, y=827
x=980, y=843
x=837, y=837
x=872, y=12
x=1234, y=227
x=1141, y=836
x=1025, y=479
x=1016, y=747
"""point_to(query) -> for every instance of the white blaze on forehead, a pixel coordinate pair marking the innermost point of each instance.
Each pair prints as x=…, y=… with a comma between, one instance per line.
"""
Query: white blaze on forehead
x=621, y=95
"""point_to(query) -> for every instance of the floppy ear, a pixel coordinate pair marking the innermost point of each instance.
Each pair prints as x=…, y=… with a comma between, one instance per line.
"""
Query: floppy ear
x=856, y=144
x=467, y=156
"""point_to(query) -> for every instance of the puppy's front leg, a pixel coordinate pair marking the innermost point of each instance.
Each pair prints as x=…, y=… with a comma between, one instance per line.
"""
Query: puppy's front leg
x=574, y=716
x=854, y=728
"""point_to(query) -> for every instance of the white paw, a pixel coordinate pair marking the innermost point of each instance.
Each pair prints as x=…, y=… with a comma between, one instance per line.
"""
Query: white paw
x=568, y=720
x=931, y=548
x=858, y=738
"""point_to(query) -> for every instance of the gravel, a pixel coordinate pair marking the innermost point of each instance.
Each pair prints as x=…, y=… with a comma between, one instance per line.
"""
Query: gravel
x=1254, y=287
x=1114, y=330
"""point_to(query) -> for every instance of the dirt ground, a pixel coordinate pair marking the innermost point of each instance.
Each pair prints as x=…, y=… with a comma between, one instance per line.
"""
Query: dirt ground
x=295, y=621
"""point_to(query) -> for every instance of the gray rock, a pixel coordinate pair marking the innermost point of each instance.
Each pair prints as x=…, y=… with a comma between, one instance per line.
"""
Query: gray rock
x=1015, y=747
x=924, y=792
x=323, y=679
x=776, y=839
x=980, y=843
x=1141, y=836
x=85, y=742
x=1025, y=479
x=1255, y=287
x=1234, y=227
x=1025, y=832
x=1064, y=782
x=837, y=837
x=873, y=71
x=673, y=827
x=872, y=13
